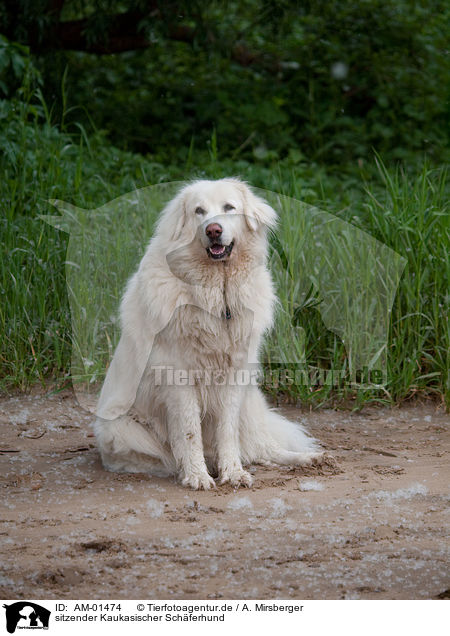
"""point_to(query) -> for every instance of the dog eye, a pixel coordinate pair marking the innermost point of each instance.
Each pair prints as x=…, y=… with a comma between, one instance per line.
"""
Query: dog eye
x=199, y=210
x=227, y=207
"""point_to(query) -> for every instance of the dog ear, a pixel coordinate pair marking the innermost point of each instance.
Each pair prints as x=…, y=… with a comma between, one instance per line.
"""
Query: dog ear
x=173, y=218
x=181, y=221
x=258, y=213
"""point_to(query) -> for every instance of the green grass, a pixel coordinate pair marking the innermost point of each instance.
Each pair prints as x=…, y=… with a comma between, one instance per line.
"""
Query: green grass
x=410, y=215
x=405, y=210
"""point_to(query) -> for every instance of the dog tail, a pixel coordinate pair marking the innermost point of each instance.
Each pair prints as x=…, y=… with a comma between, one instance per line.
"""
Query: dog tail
x=128, y=446
x=290, y=435
x=266, y=435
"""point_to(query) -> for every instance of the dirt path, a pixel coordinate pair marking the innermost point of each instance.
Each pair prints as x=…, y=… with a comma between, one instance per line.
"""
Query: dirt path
x=376, y=530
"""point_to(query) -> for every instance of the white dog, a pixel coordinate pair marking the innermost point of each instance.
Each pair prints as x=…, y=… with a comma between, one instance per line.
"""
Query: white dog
x=179, y=396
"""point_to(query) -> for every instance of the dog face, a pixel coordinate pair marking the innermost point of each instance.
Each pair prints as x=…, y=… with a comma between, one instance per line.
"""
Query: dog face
x=217, y=211
x=217, y=215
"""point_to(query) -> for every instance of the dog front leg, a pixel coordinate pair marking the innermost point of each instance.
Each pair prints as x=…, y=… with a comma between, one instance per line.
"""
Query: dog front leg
x=185, y=436
x=227, y=440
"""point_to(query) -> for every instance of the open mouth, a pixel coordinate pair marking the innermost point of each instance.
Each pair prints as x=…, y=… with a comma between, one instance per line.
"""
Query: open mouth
x=218, y=251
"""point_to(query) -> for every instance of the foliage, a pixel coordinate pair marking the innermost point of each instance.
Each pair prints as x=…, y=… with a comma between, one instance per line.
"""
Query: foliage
x=324, y=80
x=407, y=212
x=292, y=98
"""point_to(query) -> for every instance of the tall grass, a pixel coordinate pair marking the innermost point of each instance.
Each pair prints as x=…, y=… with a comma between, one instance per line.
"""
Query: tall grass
x=406, y=212
x=412, y=216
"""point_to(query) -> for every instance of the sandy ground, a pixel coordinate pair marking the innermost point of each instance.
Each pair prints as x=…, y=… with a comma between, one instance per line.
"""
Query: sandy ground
x=375, y=528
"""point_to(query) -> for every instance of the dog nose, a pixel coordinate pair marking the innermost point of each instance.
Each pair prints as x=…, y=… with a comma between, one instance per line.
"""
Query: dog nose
x=213, y=230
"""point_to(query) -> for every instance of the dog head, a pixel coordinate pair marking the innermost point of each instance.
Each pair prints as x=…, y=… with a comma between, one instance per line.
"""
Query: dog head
x=221, y=217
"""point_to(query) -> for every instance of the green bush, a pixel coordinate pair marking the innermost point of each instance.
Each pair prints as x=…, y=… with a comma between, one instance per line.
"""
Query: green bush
x=330, y=82
x=203, y=116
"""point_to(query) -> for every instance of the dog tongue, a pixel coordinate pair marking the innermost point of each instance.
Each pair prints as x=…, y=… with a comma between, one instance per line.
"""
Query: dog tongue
x=217, y=249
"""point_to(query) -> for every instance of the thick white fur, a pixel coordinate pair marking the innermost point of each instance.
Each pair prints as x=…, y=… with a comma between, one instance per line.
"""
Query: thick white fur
x=173, y=314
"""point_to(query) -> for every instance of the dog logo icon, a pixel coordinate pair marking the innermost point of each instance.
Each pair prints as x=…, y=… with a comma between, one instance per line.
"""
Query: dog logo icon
x=26, y=615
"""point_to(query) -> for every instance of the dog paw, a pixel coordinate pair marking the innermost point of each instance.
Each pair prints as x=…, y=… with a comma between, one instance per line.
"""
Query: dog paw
x=236, y=477
x=198, y=481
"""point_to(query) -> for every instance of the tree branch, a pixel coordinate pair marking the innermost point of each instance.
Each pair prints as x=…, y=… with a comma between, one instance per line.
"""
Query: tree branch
x=123, y=33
